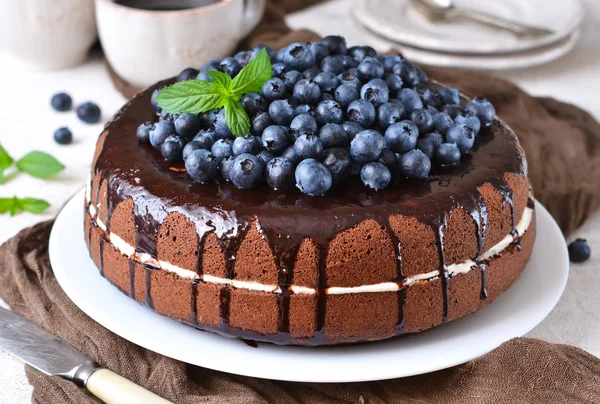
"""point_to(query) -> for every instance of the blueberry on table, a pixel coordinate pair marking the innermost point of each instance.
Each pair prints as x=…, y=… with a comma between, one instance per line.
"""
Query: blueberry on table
x=469, y=119
x=329, y=111
x=375, y=175
x=442, y=122
x=410, y=100
x=280, y=173
x=172, y=148
x=187, y=125
x=275, y=139
x=89, y=112
x=423, y=119
x=281, y=112
x=483, y=109
x=222, y=149
x=308, y=146
x=312, y=177
x=367, y=146
x=274, y=89
x=188, y=74
x=376, y=92
x=246, y=144
x=160, y=132
x=61, y=102
x=402, y=137
x=253, y=103
x=298, y=56
x=345, y=94
x=389, y=114
x=447, y=154
x=260, y=122
x=63, y=136
x=143, y=131
x=369, y=69
x=336, y=44
x=247, y=171
x=448, y=95
x=462, y=136
x=307, y=92
x=333, y=135
x=201, y=165
x=332, y=64
x=415, y=164
x=579, y=251
x=362, y=112
x=303, y=124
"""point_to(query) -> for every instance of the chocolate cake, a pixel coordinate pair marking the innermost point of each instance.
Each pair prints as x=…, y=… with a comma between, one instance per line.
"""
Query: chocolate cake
x=285, y=267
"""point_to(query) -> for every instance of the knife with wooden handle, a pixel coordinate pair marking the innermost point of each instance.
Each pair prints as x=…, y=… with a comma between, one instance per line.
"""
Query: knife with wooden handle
x=52, y=356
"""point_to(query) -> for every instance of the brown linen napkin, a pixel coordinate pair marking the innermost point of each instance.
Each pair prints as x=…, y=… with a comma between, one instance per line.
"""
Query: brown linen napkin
x=520, y=371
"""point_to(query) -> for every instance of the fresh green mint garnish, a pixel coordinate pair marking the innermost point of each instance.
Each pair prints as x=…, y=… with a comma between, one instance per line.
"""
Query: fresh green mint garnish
x=37, y=164
x=5, y=162
x=15, y=205
x=197, y=96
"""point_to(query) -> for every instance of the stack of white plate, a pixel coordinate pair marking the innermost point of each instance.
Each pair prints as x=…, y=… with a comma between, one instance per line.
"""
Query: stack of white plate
x=396, y=24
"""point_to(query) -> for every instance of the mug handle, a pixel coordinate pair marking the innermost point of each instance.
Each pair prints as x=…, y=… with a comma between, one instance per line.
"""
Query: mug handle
x=253, y=12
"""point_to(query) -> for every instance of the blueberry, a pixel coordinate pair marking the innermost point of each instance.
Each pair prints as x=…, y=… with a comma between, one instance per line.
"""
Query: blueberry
x=333, y=135
x=203, y=75
x=483, y=109
x=367, y=146
x=274, y=89
x=61, y=102
x=352, y=129
x=246, y=144
x=298, y=56
x=393, y=82
x=253, y=103
x=207, y=119
x=303, y=124
x=442, y=122
x=243, y=57
x=275, y=139
x=407, y=73
x=307, y=92
x=361, y=111
x=161, y=130
x=172, y=148
x=143, y=131
x=451, y=110
x=308, y=146
x=312, y=177
x=279, y=55
x=230, y=66
x=402, y=137
x=388, y=158
x=462, y=136
x=260, y=122
x=579, y=251
x=201, y=165
x=190, y=147
x=389, y=113
x=266, y=156
x=410, y=100
x=327, y=81
x=225, y=167
x=157, y=109
x=423, y=119
x=360, y=53
x=428, y=97
x=311, y=73
x=318, y=50
x=291, y=154
x=281, y=112
x=222, y=130
x=345, y=94
x=222, y=149
x=376, y=92
x=88, y=112
x=280, y=173
x=329, y=111
x=291, y=78
x=448, y=95
x=277, y=69
x=429, y=143
x=187, y=125
x=333, y=65
x=370, y=69
x=338, y=162
x=211, y=65
x=206, y=139
x=350, y=78
x=188, y=74
x=470, y=120
x=415, y=164
x=375, y=175
x=447, y=154
x=63, y=136
x=422, y=76
x=335, y=44
x=247, y=171
x=391, y=61
x=304, y=109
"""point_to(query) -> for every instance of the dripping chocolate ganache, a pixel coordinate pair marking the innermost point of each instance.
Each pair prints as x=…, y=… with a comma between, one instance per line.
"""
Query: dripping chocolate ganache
x=285, y=267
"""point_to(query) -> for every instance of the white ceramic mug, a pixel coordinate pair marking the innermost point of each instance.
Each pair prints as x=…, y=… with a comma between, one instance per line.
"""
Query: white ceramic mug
x=47, y=34
x=145, y=46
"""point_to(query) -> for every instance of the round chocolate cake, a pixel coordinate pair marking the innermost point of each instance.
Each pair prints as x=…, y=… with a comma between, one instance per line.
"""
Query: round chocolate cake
x=279, y=265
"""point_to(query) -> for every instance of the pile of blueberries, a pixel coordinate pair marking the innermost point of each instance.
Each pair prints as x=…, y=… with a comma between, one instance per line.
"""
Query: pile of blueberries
x=328, y=113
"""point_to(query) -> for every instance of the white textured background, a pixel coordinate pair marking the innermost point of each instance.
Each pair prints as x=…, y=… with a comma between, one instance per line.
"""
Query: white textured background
x=27, y=122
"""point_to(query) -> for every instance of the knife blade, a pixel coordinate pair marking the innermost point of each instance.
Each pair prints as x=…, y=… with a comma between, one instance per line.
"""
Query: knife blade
x=54, y=357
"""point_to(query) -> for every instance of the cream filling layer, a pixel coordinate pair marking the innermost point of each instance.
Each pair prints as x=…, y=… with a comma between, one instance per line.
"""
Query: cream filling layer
x=461, y=268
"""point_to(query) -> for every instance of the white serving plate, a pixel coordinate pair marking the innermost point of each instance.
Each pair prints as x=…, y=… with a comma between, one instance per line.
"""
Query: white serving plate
x=513, y=314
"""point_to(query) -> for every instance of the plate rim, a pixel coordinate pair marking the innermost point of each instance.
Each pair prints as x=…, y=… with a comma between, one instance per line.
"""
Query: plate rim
x=264, y=348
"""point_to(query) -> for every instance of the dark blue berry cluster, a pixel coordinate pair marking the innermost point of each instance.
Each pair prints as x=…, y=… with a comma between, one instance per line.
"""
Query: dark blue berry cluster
x=328, y=113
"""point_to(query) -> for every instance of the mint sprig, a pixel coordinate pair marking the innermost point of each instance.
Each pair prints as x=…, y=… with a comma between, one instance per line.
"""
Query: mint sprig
x=5, y=162
x=16, y=205
x=197, y=96
x=36, y=163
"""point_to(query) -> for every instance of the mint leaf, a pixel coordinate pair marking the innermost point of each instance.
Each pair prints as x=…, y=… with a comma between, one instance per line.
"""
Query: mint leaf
x=15, y=207
x=5, y=162
x=39, y=164
x=6, y=205
x=33, y=205
x=192, y=96
x=222, y=82
x=252, y=77
x=236, y=118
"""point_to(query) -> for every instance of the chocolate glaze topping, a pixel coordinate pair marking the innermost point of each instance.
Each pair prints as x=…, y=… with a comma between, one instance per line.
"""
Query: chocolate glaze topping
x=286, y=218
